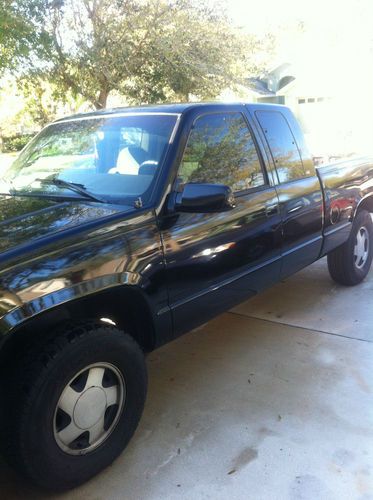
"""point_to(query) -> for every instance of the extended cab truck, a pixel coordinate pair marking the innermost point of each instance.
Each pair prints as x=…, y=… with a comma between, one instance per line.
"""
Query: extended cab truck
x=122, y=229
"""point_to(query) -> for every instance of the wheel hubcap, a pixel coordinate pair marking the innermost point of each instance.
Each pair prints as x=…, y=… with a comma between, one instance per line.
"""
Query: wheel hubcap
x=361, y=249
x=89, y=408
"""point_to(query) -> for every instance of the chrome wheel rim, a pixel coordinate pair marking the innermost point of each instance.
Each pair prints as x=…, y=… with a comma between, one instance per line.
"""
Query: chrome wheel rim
x=361, y=249
x=89, y=408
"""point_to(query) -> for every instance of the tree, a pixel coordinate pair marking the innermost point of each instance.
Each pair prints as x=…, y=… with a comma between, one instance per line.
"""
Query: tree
x=43, y=101
x=21, y=32
x=147, y=50
x=13, y=37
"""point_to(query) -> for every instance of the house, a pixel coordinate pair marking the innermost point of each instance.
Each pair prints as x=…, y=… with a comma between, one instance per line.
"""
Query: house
x=320, y=100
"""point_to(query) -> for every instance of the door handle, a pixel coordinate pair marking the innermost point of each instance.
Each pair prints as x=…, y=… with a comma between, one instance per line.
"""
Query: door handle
x=295, y=209
x=271, y=210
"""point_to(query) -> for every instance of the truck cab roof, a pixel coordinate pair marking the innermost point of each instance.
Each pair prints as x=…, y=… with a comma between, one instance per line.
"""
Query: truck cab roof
x=176, y=108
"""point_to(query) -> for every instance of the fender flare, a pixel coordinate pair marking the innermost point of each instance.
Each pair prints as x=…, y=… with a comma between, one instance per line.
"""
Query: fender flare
x=362, y=200
x=20, y=314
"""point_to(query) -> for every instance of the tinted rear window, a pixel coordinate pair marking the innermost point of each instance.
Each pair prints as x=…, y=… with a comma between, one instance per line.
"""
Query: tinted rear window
x=282, y=144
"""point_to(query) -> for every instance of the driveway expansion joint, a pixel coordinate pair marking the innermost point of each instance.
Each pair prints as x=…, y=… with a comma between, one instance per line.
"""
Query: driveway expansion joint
x=300, y=327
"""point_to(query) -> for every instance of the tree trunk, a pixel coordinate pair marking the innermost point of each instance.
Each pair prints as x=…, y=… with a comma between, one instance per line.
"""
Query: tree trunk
x=100, y=103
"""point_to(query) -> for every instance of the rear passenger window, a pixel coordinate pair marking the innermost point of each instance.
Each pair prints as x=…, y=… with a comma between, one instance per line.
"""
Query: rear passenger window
x=221, y=150
x=282, y=144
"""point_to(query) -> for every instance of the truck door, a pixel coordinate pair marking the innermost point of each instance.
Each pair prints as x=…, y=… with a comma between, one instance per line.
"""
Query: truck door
x=298, y=188
x=215, y=260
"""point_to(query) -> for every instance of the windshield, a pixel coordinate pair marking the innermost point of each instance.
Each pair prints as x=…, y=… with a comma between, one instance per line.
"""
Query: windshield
x=114, y=158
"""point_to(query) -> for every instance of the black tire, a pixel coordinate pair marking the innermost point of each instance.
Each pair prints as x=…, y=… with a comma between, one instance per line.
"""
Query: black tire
x=342, y=262
x=35, y=393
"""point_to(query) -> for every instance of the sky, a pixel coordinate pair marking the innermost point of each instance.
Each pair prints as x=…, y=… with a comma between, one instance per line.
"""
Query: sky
x=328, y=14
x=340, y=30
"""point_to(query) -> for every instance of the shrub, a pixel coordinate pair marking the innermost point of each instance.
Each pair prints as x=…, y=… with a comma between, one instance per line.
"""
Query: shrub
x=14, y=143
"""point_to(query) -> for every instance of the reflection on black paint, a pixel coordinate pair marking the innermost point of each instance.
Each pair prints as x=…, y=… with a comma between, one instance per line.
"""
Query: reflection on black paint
x=23, y=219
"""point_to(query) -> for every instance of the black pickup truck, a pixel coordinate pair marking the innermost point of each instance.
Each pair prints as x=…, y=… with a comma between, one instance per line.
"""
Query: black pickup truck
x=122, y=229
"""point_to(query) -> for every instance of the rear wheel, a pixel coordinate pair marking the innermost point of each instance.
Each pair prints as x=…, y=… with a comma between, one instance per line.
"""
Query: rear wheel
x=73, y=405
x=350, y=263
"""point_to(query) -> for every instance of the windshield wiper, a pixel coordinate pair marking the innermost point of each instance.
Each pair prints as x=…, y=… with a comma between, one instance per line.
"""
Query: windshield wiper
x=73, y=186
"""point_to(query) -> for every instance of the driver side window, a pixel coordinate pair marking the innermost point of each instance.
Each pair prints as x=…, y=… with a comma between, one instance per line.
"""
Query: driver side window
x=220, y=150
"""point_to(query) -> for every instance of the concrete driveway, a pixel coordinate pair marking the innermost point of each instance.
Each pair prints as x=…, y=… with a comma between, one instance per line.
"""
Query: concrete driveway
x=272, y=400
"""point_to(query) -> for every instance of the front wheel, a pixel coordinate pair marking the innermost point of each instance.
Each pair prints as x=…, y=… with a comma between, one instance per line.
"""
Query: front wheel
x=349, y=264
x=74, y=404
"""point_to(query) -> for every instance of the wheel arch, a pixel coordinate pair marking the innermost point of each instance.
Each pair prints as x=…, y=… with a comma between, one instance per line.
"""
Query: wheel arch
x=366, y=203
x=125, y=306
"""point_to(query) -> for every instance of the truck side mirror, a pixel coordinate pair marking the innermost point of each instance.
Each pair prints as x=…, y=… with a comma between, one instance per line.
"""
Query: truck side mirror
x=201, y=198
